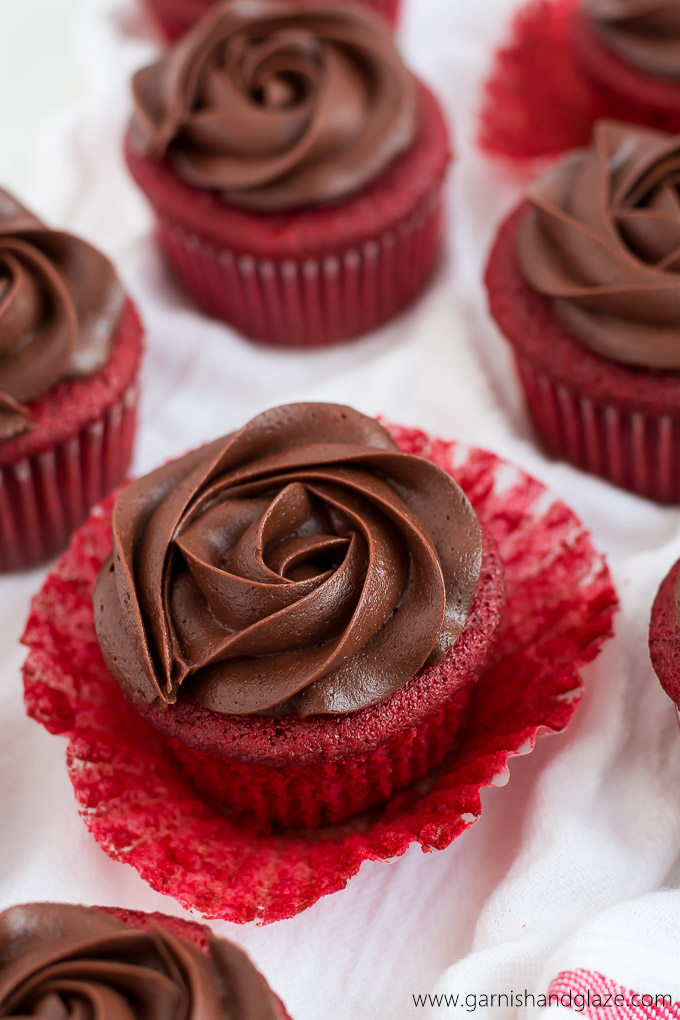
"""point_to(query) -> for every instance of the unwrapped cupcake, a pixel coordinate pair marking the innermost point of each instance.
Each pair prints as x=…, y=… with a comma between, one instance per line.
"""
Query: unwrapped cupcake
x=295, y=168
x=70, y=348
x=175, y=17
x=302, y=610
x=584, y=282
x=59, y=960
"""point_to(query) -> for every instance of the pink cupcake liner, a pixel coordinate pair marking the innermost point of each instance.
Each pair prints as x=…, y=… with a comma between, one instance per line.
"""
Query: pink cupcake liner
x=143, y=811
x=635, y=450
x=313, y=301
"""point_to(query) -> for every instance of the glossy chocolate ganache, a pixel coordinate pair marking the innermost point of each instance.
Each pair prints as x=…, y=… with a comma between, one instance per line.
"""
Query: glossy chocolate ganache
x=60, y=306
x=303, y=564
x=643, y=33
x=63, y=962
x=602, y=241
x=278, y=106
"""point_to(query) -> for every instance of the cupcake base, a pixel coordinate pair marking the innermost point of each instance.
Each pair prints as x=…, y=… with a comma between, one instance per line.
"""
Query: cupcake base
x=613, y=420
x=142, y=810
x=304, y=773
x=664, y=636
x=78, y=451
x=175, y=17
x=316, y=276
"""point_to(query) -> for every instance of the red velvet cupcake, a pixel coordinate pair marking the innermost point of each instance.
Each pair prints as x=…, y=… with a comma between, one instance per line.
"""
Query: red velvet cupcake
x=630, y=52
x=584, y=282
x=176, y=17
x=70, y=347
x=664, y=635
x=302, y=610
x=61, y=960
x=295, y=168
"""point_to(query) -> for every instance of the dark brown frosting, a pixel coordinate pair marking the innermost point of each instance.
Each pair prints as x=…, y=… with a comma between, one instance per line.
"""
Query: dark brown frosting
x=277, y=107
x=643, y=33
x=60, y=304
x=602, y=239
x=302, y=565
x=62, y=962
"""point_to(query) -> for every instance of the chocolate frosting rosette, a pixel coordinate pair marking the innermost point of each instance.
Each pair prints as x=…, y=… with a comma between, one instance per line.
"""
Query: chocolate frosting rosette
x=62, y=961
x=69, y=354
x=298, y=573
x=643, y=33
x=602, y=241
x=262, y=140
x=584, y=281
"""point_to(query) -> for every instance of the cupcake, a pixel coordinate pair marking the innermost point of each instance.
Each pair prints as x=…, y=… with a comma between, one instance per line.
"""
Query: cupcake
x=60, y=960
x=584, y=283
x=664, y=634
x=70, y=347
x=175, y=17
x=295, y=169
x=630, y=52
x=301, y=610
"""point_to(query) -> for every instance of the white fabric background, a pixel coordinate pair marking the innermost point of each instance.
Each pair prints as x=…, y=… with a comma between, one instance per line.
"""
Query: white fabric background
x=559, y=871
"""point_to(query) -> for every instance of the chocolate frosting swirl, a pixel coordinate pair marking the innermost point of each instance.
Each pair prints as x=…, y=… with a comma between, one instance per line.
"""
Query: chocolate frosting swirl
x=602, y=239
x=276, y=107
x=643, y=33
x=301, y=565
x=62, y=962
x=60, y=304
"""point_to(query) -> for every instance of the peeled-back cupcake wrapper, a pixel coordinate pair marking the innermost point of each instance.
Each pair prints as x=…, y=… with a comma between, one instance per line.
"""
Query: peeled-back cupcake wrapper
x=539, y=101
x=140, y=808
x=175, y=17
x=312, y=302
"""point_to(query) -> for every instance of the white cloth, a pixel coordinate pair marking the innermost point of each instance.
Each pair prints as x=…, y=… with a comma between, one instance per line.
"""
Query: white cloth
x=558, y=872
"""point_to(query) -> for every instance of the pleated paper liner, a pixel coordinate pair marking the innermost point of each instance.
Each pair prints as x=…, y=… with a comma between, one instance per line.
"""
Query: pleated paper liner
x=78, y=452
x=616, y=421
x=311, y=302
x=551, y=81
x=175, y=17
x=143, y=811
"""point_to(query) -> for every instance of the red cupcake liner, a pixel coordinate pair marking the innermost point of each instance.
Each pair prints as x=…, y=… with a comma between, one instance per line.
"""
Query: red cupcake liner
x=550, y=83
x=315, y=276
x=47, y=488
x=633, y=450
x=199, y=934
x=316, y=301
x=175, y=17
x=142, y=810
x=664, y=636
x=617, y=421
